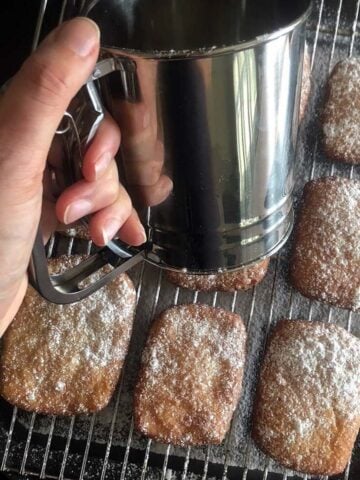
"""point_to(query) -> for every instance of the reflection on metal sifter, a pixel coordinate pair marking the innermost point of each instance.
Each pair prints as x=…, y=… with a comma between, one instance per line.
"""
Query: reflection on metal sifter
x=212, y=88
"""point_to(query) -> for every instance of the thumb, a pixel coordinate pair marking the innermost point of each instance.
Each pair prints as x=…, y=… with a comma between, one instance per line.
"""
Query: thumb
x=38, y=96
x=30, y=112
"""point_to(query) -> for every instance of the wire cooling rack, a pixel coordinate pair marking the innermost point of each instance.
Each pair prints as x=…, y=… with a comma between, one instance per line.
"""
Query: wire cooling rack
x=105, y=445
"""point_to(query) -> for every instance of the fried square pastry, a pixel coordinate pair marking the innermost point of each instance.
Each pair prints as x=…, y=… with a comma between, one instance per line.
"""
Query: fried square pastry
x=67, y=359
x=307, y=409
x=191, y=375
x=341, y=115
x=325, y=264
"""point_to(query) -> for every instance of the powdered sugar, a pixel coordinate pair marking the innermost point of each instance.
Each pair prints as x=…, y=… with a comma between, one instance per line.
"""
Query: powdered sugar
x=327, y=359
x=341, y=125
x=194, y=357
x=310, y=420
x=242, y=451
x=303, y=427
x=60, y=386
x=84, y=344
x=78, y=231
x=326, y=261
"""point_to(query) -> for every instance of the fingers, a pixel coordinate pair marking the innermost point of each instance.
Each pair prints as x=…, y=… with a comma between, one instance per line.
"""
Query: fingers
x=95, y=163
x=102, y=150
x=84, y=198
x=107, y=199
x=130, y=233
x=118, y=220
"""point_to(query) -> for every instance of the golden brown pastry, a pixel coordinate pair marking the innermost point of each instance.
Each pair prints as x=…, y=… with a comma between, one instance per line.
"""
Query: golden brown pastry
x=191, y=375
x=241, y=279
x=307, y=411
x=325, y=263
x=66, y=359
x=341, y=116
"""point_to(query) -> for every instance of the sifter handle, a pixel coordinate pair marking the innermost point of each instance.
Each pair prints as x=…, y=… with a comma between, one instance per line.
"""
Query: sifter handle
x=66, y=287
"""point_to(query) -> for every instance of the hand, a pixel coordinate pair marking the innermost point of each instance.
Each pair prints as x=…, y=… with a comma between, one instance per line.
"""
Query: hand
x=30, y=112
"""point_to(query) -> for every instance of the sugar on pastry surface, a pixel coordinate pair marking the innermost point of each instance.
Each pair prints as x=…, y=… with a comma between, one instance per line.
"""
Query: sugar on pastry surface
x=66, y=359
x=341, y=115
x=307, y=409
x=191, y=374
x=325, y=264
x=241, y=279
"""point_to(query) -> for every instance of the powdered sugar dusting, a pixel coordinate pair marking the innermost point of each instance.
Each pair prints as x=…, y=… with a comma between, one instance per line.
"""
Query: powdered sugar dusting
x=326, y=261
x=341, y=121
x=77, y=230
x=59, y=387
x=242, y=451
x=60, y=357
x=308, y=402
x=191, y=375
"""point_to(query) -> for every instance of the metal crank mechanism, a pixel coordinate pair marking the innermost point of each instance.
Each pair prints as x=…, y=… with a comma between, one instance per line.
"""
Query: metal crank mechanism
x=66, y=287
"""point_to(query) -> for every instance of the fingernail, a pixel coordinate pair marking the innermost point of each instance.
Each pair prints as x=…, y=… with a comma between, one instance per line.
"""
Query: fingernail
x=77, y=210
x=81, y=35
x=102, y=164
x=110, y=229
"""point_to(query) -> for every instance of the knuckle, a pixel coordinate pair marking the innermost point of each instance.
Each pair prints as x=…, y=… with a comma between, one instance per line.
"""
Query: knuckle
x=112, y=190
x=112, y=173
x=48, y=84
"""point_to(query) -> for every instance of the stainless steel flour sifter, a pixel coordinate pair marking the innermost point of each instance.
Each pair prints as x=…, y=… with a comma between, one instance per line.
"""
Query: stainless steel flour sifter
x=216, y=86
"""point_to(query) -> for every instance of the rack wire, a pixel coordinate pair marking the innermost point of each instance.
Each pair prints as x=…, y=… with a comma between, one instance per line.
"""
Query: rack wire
x=26, y=449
